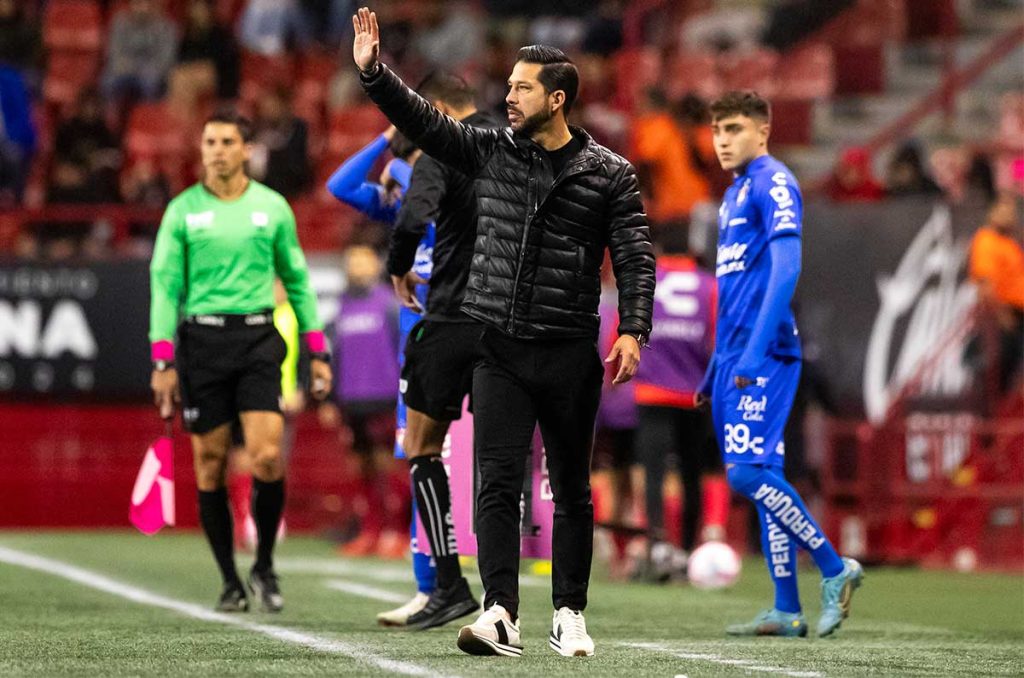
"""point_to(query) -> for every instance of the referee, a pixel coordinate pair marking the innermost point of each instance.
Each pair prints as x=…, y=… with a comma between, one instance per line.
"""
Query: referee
x=220, y=245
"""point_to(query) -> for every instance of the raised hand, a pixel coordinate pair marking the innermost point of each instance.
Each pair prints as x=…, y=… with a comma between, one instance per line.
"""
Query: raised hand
x=366, y=45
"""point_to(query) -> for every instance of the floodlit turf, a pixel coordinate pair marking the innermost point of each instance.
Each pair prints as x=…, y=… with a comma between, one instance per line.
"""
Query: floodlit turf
x=904, y=622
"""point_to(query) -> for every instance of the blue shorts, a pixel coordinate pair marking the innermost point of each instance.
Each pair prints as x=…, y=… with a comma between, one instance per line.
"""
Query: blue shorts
x=749, y=423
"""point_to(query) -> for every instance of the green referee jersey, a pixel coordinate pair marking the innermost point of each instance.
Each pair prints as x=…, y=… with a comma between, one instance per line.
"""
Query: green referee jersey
x=216, y=256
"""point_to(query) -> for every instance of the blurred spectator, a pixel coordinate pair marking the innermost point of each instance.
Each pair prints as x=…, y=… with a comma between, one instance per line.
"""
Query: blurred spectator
x=280, y=145
x=17, y=135
x=694, y=120
x=450, y=33
x=70, y=184
x=144, y=185
x=331, y=20
x=603, y=31
x=365, y=341
x=273, y=27
x=852, y=180
x=208, y=45
x=665, y=162
x=997, y=266
x=790, y=21
x=140, y=51
x=21, y=44
x=906, y=174
x=85, y=140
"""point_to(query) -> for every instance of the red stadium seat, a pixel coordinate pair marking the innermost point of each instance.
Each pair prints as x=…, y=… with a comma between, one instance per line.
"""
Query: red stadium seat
x=755, y=69
x=636, y=70
x=351, y=129
x=695, y=72
x=260, y=73
x=73, y=25
x=807, y=72
x=67, y=73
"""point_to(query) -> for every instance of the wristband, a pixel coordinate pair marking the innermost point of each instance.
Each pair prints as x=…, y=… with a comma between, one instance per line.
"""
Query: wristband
x=163, y=365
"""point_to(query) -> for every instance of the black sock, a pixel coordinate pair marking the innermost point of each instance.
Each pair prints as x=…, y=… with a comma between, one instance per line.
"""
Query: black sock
x=433, y=499
x=267, y=507
x=215, y=516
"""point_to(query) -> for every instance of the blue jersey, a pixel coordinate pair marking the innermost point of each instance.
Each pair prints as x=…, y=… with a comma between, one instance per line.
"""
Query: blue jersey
x=761, y=204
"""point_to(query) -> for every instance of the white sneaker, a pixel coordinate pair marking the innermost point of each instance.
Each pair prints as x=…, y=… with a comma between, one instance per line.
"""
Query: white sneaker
x=400, y=615
x=569, y=634
x=493, y=632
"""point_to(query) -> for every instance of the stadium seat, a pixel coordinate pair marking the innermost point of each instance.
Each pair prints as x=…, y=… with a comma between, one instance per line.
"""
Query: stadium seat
x=68, y=72
x=755, y=69
x=153, y=131
x=73, y=25
x=692, y=72
x=636, y=70
x=260, y=73
x=807, y=72
x=351, y=129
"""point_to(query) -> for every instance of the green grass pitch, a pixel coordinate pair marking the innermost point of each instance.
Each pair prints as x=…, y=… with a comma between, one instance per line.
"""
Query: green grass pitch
x=905, y=622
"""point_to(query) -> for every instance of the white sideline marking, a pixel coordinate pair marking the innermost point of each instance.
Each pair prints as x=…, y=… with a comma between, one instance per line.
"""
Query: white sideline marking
x=365, y=591
x=144, y=597
x=748, y=664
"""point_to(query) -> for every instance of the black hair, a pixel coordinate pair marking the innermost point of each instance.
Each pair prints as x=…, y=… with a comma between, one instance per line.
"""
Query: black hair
x=400, y=146
x=558, y=72
x=230, y=116
x=444, y=86
x=747, y=103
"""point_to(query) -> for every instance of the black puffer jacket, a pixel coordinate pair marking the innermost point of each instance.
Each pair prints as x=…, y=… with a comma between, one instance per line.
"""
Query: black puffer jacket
x=540, y=240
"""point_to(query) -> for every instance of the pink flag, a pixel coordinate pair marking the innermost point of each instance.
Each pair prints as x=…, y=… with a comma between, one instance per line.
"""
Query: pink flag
x=153, y=495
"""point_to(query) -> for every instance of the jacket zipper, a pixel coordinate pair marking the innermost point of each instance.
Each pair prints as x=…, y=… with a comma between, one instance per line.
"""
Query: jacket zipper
x=572, y=171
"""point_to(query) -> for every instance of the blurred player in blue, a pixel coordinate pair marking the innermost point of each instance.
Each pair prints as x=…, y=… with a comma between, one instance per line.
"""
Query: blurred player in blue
x=381, y=201
x=754, y=373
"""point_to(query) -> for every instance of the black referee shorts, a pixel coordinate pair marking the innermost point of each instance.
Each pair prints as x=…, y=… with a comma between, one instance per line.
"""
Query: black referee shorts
x=438, y=370
x=228, y=364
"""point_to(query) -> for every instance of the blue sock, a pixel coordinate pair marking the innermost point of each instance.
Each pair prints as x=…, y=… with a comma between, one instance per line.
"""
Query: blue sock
x=422, y=564
x=780, y=553
x=768, y=489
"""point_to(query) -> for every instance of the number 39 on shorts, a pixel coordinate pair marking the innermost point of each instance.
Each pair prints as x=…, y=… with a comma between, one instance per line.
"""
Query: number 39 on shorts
x=738, y=440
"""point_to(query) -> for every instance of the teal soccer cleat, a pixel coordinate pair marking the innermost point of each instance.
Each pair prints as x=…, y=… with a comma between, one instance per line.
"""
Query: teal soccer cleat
x=771, y=623
x=836, y=593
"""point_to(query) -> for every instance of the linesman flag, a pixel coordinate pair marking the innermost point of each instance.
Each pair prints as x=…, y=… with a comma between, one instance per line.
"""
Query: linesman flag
x=152, y=504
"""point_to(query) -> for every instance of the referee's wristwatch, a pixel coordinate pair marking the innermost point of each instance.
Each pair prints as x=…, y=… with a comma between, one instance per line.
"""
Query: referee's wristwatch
x=163, y=365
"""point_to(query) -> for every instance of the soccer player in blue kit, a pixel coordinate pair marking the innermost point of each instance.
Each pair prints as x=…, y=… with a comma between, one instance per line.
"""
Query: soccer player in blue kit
x=754, y=373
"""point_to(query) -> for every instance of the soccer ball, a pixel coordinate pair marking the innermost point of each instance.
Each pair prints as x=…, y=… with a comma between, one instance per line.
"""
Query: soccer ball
x=713, y=565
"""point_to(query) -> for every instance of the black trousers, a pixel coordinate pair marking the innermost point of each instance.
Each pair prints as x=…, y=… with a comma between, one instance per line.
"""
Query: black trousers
x=664, y=431
x=516, y=386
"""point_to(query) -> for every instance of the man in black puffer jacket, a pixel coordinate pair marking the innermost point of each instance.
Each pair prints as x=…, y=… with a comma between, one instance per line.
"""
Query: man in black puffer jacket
x=550, y=201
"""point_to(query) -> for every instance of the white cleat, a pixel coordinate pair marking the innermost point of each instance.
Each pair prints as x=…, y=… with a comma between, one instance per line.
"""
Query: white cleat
x=569, y=634
x=400, y=615
x=492, y=633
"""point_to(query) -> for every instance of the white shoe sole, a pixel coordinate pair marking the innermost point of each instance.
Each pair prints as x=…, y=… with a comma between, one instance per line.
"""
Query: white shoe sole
x=470, y=643
x=557, y=647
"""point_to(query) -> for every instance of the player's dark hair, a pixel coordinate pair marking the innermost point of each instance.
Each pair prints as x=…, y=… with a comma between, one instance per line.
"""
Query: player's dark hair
x=400, y=146
x=443, y=86
x=747, y=103
x=230, y=116
x=558, y=72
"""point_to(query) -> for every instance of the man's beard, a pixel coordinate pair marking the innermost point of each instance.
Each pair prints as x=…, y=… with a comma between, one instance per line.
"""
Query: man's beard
x=533, y=123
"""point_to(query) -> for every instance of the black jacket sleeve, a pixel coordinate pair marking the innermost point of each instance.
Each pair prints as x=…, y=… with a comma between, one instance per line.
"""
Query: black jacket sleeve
x=420, y=205
x=457, y=145
x=629, y=242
